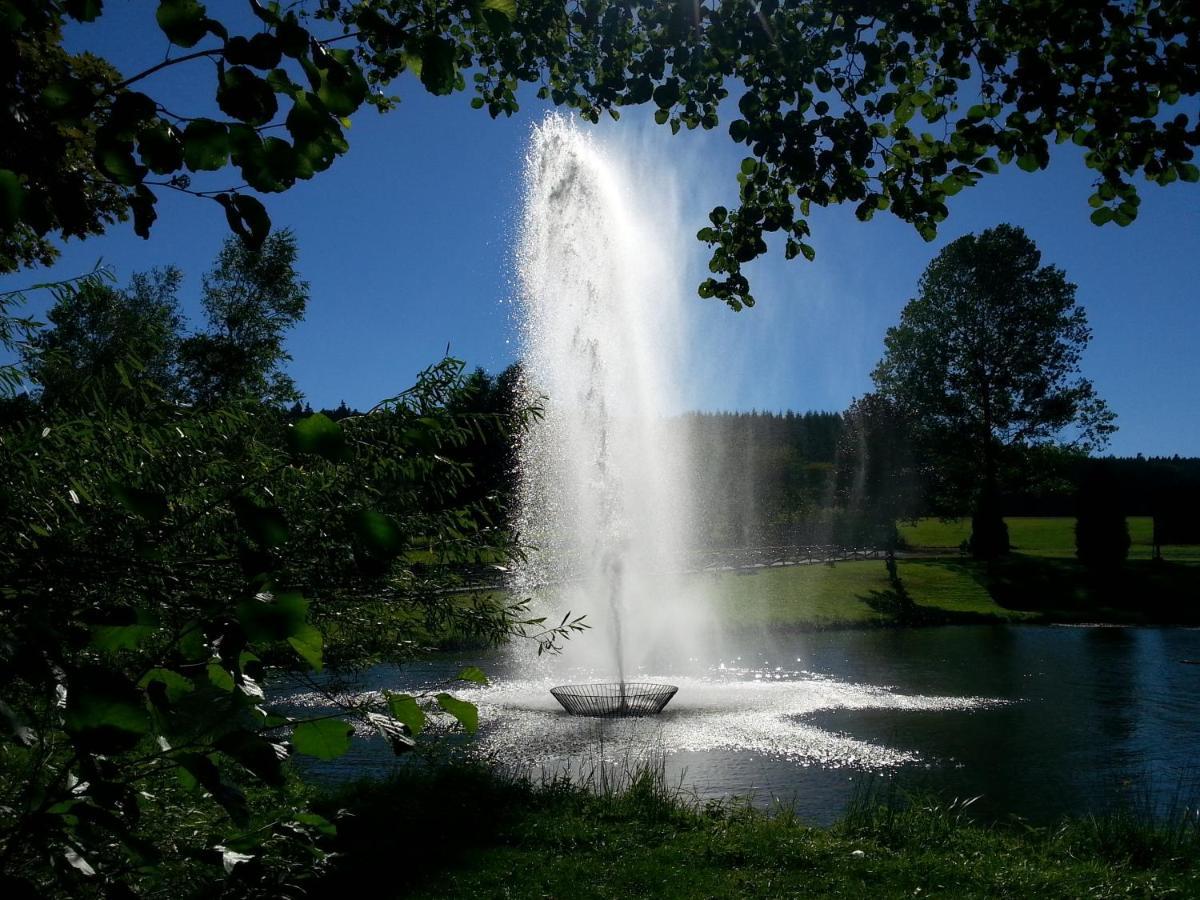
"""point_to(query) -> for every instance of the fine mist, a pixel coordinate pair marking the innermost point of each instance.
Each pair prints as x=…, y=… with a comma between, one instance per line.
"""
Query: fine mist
x=605, y=494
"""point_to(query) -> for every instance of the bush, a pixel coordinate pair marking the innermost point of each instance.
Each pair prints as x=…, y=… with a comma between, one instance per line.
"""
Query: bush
x=1101, y=531
x=989, y=534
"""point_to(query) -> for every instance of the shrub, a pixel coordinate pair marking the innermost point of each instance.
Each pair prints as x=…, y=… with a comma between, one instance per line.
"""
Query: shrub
x=1101, y=532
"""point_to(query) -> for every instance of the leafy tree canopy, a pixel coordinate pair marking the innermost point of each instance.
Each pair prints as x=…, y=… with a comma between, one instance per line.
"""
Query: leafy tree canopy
x=889, y=106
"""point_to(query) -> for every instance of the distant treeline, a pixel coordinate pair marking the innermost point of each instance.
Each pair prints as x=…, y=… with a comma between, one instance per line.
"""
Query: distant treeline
x=786, y=477
x=762, y=477
x=1139, y=485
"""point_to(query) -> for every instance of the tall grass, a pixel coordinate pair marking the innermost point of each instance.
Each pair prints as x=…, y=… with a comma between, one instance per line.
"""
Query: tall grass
x=623, y=828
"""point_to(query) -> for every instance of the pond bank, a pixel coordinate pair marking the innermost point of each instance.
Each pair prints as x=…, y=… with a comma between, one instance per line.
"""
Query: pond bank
x=465, y=831
x=949, y=590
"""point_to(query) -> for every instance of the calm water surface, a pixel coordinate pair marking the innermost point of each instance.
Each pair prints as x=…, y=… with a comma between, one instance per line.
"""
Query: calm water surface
x=1040, y=721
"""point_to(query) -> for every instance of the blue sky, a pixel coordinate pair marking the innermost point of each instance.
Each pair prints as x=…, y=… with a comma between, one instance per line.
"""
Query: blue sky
x=407, y=243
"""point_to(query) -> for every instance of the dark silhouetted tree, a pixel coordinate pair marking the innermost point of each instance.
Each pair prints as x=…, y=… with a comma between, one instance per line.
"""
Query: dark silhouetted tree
x=109, y=343
x=251, y=299
x=878, y=483
x=985, y=363
x=1101, y=530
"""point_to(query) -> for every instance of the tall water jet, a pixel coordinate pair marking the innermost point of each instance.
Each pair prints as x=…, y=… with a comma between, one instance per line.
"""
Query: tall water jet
x=604, y=493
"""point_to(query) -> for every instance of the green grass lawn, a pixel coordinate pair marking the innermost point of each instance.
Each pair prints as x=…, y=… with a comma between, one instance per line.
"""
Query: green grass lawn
x=1019, y=589
x=1037, y=536
x=951, y=589
x=463, y=833
x=828, y=596
x=1042, y=580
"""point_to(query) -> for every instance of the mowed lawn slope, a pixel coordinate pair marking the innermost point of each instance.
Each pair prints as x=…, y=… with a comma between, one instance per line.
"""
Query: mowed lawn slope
x=1041, y=581
x=847, y=593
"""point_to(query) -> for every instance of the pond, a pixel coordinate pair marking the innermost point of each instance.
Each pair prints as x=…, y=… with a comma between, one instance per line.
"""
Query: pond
x=1037, y=721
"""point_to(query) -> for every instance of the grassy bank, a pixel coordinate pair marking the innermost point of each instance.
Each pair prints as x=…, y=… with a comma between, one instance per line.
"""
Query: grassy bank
x=851, y=594
x=952, y=590
x=467, y=833
x=948, y=590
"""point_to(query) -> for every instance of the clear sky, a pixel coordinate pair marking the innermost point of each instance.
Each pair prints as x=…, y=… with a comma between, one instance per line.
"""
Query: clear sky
x=406, y=243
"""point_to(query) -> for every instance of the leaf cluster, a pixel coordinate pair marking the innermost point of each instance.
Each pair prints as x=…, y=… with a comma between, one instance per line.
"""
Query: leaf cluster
x=889, y=107
x=160, y=572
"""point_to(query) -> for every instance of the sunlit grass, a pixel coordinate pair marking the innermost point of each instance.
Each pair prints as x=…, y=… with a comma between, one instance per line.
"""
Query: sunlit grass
x=823, y=596
x=1037, y=536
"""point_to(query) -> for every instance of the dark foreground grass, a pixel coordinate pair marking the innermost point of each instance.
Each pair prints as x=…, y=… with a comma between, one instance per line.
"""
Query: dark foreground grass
x=464, y=832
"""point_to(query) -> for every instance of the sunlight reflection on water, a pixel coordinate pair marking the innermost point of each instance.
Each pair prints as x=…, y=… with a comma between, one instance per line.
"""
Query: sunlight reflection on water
x=732, y=711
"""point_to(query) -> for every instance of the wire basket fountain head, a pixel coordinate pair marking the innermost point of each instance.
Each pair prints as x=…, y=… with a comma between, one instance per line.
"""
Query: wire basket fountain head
x=618, y=699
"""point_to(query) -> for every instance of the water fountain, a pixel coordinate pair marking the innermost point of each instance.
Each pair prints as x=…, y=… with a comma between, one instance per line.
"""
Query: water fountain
x=763, y=714
x=604, y=495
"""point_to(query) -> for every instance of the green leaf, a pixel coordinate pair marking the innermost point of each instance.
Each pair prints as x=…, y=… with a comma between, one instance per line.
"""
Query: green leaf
x=378, y=533
x=405, y=709
x=160, y=147
x=308, y=117
x=310, y=644
x=105, y=713
x=473, y=674
x=338, y=81
x=12, y=198
x=243, y=95
x=115, y=159
x=1101, y=216
x=83, y=10
x=438, y=72
x=220, y=677
x=144, y=213
x=182, y=21
x=198, y=769
x=261, y=51
x=247, y=217
x=147, y=504
x=324, y=739
x=293, y=39
x=506, y=7
x=638, y=90
x=262, y=757
x=276, y=618
x=319, y=435
x=205, y=145
x=320, y=823
x=130, y=111
x=987, y=164
x=265, y=526
x=466, y=713
x=111, y=638
x=666, y=94
x=1188, y=171
x=69, y=97
x=172, y=685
